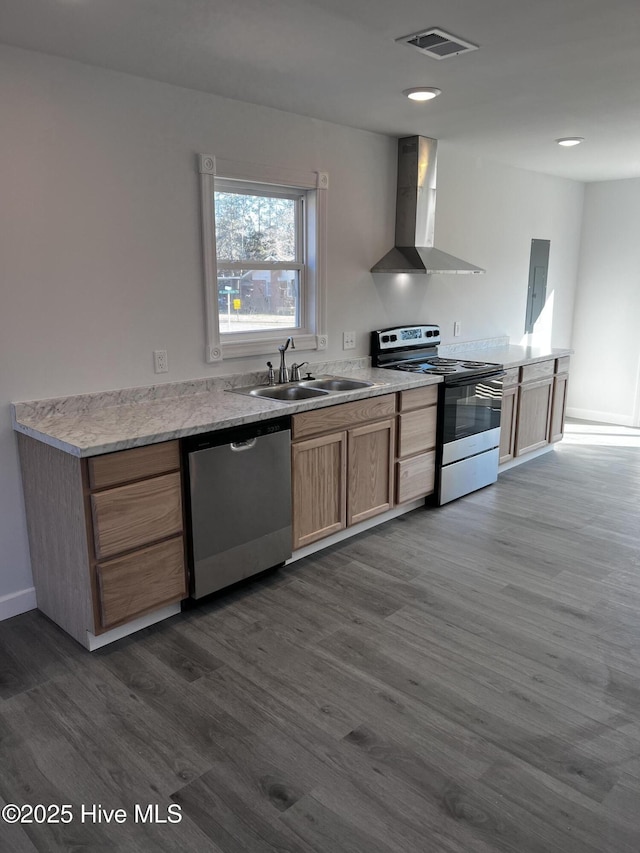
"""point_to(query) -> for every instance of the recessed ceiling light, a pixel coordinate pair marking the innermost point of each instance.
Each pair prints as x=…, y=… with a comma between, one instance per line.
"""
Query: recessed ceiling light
x=422, y=93
x=568, y=141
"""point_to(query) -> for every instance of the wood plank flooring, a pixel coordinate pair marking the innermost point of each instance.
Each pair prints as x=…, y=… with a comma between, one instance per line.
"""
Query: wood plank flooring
x=458, y=680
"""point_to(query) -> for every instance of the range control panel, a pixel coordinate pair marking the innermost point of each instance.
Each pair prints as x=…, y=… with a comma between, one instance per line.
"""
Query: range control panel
x=405, y=337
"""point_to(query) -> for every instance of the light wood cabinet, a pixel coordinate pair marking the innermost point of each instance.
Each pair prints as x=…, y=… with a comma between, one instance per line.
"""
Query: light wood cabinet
x=559, y=401
x=139, y=582
x=370, y=476
x=534, y=412
x=124, y=466
x=508, y=414
x=343, y=416
x=319, y=484
x=105, y=534
x=417, y=431
x=415, y=477
x=537, y=371
x=131, y=516
x=342, y=466
x=539, y=405
x=417, y=422
x=135, y=501
x=508, y=423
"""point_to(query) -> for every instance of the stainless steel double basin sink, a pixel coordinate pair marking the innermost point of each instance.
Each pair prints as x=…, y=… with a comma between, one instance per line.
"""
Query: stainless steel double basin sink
x=306, y=389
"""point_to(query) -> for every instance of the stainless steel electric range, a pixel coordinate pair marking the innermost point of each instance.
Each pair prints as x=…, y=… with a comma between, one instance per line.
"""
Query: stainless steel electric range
x=469, y=402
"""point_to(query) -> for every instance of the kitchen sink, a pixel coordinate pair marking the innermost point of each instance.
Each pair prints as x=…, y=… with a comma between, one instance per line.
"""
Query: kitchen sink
x=306, y=389
x=336, y=383
x=287, y=392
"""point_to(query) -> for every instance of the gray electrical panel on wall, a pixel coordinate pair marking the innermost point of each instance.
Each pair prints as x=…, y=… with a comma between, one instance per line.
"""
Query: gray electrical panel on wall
x=537, y=292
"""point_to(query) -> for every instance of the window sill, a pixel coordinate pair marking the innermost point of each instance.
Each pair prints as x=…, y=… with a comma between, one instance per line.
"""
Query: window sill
x=264, y=346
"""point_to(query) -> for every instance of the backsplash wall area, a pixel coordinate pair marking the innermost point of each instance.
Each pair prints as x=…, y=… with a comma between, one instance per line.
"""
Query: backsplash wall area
x=100, y=241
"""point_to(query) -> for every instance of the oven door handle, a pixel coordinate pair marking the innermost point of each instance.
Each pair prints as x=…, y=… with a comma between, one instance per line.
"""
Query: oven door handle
x=472, y=380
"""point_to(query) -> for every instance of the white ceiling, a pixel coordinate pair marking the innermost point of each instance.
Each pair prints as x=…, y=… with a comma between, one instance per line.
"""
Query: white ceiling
x=545, y=68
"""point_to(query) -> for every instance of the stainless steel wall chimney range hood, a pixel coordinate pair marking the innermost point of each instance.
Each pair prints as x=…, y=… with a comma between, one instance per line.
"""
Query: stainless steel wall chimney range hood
x=414, y=251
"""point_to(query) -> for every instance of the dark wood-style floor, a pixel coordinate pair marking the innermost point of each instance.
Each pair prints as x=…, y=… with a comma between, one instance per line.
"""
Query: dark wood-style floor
x=459, y=680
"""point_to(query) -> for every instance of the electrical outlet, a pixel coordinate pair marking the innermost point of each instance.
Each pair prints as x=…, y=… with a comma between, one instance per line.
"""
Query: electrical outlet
x=160, y=361
x=348, y=340
x=456, y=329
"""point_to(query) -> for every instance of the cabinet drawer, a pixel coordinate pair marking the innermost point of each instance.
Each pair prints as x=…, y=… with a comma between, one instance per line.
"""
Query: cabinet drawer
x=141, y=581
x=417, y=431
x=130, y=516
x=415, y=477
x=417, y=398
x=539, y=370
x=562, y=364
x=343, y=416
x=511, y=377
x=135, y=464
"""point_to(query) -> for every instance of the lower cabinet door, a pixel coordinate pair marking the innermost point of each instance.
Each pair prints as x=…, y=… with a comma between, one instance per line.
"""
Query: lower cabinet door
x=370, y=476
x=534, y=412
x=319, y=482
x=141, y=581
x=508, y=423
x=558, y=407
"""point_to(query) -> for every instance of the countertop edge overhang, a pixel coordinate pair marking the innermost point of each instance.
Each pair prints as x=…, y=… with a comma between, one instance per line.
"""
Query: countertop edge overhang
x=136, y=423
x=139, y=423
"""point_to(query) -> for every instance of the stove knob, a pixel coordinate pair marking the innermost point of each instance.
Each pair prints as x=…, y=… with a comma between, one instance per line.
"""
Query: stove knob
x=393, y=338
x=385, y=339
x=429, y=333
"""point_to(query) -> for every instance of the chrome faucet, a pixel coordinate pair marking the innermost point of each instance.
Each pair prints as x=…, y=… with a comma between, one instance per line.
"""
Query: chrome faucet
x=283, y=374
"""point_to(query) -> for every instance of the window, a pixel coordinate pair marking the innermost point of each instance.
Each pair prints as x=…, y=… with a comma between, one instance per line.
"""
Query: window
x=260, y=257
x=263, y=241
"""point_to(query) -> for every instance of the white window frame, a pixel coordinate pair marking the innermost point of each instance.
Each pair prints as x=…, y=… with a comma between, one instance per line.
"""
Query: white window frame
x=312, y=333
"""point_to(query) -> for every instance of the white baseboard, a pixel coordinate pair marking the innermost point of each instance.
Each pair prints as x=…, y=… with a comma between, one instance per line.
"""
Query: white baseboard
x=348, y=532
x=97, y=642
x=519, y=460
x=17, y=602
x=601, y=417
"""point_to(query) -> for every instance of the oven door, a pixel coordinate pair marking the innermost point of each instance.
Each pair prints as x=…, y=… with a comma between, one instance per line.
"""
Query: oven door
x=471, y=416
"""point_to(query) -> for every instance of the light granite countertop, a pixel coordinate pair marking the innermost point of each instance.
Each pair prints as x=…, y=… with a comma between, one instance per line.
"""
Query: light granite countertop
x=90, y=424
x=511, y=355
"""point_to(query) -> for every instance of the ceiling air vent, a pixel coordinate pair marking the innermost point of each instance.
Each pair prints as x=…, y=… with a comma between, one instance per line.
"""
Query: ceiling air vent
x=438, y=44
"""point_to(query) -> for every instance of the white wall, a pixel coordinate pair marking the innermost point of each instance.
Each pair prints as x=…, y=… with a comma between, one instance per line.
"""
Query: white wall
x=100, y=249
x=488, y=213
x=607, y=310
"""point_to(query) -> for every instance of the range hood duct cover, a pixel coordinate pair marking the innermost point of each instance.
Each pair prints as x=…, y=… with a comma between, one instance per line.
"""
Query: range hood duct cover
x=414, y=251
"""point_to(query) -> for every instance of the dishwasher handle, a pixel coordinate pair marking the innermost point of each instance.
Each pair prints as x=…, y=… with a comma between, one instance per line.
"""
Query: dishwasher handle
x=236, y=437
x=238, y=446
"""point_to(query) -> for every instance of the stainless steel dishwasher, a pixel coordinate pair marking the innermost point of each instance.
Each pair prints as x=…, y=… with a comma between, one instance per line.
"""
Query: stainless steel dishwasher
x=238, y=503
